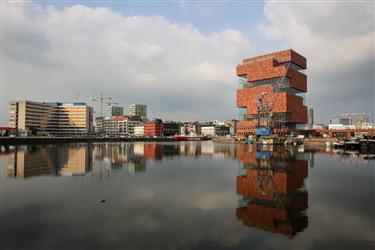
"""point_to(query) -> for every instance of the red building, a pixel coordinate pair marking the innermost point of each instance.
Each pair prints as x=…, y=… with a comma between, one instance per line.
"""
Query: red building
x=154, y=128
x=258, y=75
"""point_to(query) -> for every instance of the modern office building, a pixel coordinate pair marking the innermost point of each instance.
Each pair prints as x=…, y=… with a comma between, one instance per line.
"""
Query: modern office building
x=257, y=79
x=114, y=110
x=55, y=118
x=138, y=110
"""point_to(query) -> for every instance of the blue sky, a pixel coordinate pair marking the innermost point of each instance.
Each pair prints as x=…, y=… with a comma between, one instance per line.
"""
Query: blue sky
x=180, y=57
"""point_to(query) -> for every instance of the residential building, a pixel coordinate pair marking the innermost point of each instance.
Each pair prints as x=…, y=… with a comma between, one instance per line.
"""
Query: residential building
x=214, y=130
x=208, y=130
x=154, y=128
x=114, y=111
x=257, y=78
x=191, y=128
x=138, y=110
x=139, y=130
x=171, y=128
x=54, y=118
x=221, y=130
x=117, y=125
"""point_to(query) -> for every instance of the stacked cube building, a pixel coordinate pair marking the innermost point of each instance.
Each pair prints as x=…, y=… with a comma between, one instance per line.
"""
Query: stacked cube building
x=259, y=75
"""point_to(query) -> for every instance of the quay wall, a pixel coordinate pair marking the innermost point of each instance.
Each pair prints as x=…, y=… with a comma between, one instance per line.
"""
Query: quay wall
x=53, y=140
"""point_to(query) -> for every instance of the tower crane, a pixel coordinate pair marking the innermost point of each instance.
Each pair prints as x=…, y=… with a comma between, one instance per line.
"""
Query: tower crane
x=101, y=99
x=265, y=107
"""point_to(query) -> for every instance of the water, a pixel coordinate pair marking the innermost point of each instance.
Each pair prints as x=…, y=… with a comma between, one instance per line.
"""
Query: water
x=184, y=196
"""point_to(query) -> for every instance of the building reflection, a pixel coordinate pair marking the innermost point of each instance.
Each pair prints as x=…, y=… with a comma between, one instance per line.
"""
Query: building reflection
x=271, y=186
x=58, y=160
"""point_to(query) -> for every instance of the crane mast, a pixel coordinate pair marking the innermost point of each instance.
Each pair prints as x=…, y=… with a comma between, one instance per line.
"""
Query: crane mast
x=101, y=99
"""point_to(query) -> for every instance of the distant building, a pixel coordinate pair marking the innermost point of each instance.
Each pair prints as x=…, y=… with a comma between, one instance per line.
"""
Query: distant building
x=346, y=121
x=191, y=128
x=139, y=130
x=171, y=128
x=208, y=130
x=114, y=111
x=215, y=130
x=54, y=118
x=310, y=116
x=221, y=130
x=340, y=126
x=367, y=125
x=117, y=125
x=319, y=126
x=138, y=110
x=334, y=121
x=154, y=128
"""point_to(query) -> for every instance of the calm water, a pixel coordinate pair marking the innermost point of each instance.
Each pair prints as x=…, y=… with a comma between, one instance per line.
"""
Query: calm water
x=184, y=196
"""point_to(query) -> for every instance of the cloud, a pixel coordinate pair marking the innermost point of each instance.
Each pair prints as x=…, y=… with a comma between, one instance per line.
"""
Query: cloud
x=55, y=54
x=338, y=41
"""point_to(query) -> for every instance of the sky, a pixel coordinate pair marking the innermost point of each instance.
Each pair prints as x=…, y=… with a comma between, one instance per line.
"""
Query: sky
x=179, y=57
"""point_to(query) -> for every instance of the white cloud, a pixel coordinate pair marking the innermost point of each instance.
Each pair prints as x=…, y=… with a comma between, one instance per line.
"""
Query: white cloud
x=53, y=54
x=338, y=42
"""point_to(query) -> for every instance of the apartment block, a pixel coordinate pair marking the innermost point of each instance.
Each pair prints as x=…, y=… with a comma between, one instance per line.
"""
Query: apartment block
x=117, y=125
x=154, y=128
x=138, y=110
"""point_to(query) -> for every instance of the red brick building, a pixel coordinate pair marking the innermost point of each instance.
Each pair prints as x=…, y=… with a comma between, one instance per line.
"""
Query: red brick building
x=154, y=128
x=258, y=75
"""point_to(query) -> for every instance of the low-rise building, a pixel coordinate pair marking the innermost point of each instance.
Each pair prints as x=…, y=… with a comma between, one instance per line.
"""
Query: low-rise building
x=215, y=130
x=340, y=126
x=117, y=125
x=208, y=130
x=171, y=128
x=221, y=130
x=139, y=130
x=154, y=128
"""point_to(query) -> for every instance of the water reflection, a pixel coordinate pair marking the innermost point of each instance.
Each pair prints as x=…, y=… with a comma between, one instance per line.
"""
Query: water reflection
x=184, y=196
x=77, y=159
x=271, y=183
x=58, y=160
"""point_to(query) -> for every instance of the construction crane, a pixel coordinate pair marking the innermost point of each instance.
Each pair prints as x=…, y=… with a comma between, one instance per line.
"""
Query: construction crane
x=101, y=99
x=265, y=106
